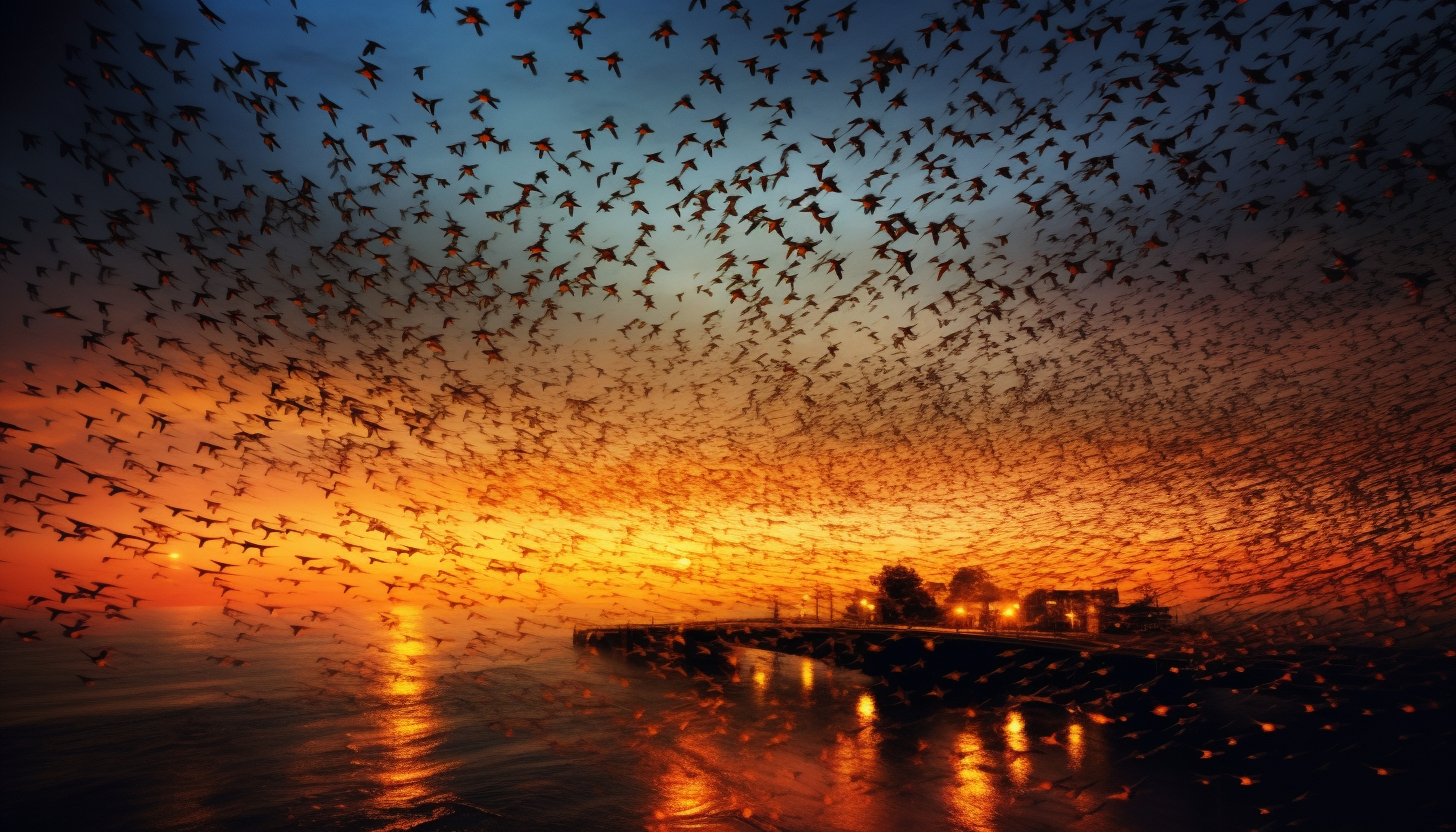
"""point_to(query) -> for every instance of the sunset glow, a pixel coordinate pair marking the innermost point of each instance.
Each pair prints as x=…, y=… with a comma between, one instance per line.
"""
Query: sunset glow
x=707, y=395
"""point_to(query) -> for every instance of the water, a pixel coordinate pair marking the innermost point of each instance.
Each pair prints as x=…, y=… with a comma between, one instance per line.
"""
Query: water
x=312, y=733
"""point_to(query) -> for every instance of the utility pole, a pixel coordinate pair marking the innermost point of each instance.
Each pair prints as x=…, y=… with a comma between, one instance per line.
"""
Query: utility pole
x=776, y=610
x=831, y=605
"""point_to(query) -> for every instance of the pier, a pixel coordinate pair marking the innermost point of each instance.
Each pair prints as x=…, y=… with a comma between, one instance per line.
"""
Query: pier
x=957, y=667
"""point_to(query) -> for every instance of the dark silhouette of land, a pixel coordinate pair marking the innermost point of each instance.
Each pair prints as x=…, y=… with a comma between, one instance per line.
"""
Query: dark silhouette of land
x=913, y=661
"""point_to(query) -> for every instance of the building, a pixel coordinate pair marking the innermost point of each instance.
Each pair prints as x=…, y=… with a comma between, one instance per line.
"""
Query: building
x=1141, y=616
x=1067, y=610
x=1092, y=611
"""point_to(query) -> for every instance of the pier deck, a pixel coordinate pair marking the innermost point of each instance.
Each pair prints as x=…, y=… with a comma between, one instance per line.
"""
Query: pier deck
x=957, y=666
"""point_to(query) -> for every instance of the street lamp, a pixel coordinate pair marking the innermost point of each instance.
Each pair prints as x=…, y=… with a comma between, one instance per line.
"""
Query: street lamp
x=960, y=613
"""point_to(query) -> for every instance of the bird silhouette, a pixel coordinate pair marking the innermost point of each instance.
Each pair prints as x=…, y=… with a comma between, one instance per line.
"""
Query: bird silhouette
x=880, y=319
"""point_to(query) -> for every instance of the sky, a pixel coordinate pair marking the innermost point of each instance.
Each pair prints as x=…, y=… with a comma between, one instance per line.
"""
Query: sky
x=1103, y=301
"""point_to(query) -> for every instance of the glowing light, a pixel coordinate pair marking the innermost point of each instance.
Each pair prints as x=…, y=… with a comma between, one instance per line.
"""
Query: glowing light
x=684, y=794
x=973, y=796
x=684, y=562
x=865, y=708
x=1018, y=768
x=174, y=556
x=854, y=759
x=1016, y=725
x=409, y=727
x=1076, y=746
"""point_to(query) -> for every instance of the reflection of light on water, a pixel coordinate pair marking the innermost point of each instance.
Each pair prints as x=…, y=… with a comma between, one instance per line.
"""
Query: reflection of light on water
x=692, y=783
x=972, y=799
x=865, y=708
x=806, y=674
x=1015, y=728
x=854, y=761
x=683, y=793
x=407, y=721
x=404, y=687
x=763, y=672
x=1076, y=746
x=1018, y=767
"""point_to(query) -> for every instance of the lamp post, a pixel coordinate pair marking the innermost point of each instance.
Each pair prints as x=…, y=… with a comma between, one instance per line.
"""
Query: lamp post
x=1009, y=613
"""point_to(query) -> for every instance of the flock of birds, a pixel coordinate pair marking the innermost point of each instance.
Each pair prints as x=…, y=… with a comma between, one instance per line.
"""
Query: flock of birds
x=1085, y=294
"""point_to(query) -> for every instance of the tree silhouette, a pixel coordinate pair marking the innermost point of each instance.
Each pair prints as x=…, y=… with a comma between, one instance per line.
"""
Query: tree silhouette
x=972, y=585
x=903, y=598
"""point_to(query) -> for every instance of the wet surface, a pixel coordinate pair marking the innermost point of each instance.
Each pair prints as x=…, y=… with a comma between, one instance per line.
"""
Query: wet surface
x=401, y=740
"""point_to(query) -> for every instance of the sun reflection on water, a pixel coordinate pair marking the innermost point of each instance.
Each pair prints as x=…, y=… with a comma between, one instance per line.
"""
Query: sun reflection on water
x=409, y=727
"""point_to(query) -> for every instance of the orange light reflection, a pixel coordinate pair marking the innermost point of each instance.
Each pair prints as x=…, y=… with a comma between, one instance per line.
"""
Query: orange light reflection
x=409, y=728
x=973, y=797
x=1018, y=766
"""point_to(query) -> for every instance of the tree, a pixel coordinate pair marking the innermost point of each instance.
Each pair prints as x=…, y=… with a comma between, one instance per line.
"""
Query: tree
x=973, y=585
x=903, y=598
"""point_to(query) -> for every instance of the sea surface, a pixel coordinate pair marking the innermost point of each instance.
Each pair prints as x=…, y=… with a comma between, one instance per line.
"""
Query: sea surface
x=189, y=727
